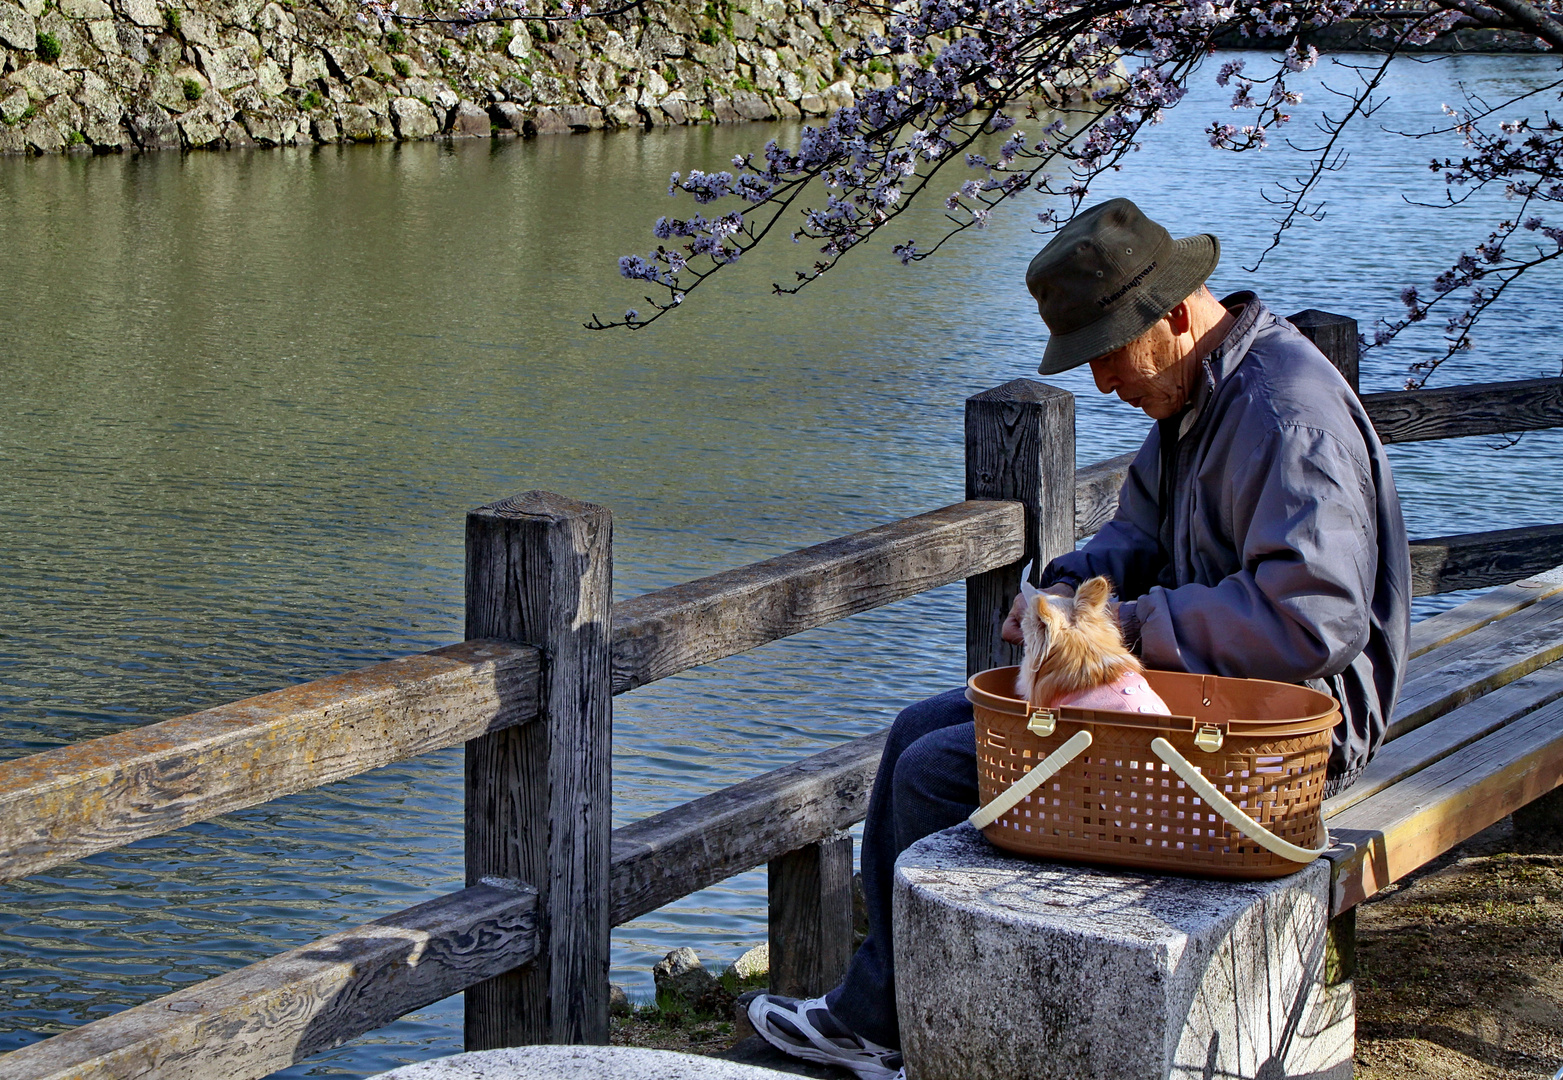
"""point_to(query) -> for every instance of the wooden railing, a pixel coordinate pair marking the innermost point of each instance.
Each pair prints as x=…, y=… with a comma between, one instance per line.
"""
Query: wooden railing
x=529, y=695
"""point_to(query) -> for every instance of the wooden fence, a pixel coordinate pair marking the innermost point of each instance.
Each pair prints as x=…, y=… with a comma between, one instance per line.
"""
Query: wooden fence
x=529, y=695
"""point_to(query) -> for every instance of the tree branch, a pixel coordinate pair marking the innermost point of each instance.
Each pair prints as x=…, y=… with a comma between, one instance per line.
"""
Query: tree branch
x=1530, y=17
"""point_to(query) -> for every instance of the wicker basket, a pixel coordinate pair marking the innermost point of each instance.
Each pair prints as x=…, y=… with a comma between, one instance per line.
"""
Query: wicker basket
x=1125, y=788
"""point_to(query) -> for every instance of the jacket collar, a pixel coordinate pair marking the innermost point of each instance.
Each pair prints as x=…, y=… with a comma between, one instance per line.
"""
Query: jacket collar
x=1226, y=357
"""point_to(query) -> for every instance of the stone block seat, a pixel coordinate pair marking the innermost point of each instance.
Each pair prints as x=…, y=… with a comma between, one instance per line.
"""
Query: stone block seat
x=1009, y=967
x=1032, y=969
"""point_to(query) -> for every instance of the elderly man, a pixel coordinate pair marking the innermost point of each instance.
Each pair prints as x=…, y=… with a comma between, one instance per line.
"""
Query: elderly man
x=1258, y=535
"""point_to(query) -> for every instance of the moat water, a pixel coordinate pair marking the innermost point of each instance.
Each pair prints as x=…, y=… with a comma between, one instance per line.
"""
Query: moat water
x=248, y=397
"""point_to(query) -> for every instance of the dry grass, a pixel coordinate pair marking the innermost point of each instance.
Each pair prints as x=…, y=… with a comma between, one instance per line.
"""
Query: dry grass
x=650, y=1027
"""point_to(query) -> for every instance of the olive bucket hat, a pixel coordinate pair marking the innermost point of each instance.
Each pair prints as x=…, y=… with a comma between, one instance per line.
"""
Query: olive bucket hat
x=1108, y=276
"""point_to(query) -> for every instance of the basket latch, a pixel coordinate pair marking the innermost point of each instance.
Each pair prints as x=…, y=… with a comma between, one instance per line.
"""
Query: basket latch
x=1209, y=737
x=1041, y=722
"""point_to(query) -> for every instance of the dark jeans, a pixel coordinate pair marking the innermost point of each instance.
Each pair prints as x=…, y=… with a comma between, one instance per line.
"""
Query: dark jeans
x=927, y=781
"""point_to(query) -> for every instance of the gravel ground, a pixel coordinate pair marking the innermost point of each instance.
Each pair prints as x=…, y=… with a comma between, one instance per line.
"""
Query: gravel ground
x=1459, y=969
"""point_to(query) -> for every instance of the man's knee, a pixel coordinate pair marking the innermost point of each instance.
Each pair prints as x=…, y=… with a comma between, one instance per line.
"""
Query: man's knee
x=941, y=711
x=939, y=768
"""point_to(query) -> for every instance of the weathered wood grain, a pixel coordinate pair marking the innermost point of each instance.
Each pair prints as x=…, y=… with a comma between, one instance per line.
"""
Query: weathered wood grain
x=539, y=798
x=1476, y=560
x=65, y=804
x=1096, y=493
x=669, y=855
x=1482, y=610
x=668, y=631
x=1437, y=739
x=1336, y=338
x=68, y=803
x=1478, y=663
x=264, y=1017
x=1474, y=409
x=1383, y=838
x=1020, y=444
x=1480, y=690
x=810, y=917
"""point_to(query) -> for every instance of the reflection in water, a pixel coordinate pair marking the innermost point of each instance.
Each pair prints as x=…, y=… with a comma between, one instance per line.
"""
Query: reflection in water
x=250, y=395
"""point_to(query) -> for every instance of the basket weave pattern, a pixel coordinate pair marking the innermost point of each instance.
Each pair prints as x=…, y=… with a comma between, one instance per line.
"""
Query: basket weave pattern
x=1118, y=803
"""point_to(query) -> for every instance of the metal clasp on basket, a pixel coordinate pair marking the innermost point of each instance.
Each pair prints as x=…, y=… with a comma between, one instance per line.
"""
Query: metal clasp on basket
x=1209, y=737
x=1041, y=722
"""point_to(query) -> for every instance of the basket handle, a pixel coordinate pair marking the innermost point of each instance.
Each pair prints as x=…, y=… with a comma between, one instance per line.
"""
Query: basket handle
x=1229, y=810
x=1043, y=771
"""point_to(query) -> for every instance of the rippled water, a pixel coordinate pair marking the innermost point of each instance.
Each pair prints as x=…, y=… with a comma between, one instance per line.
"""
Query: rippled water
x=249, y=396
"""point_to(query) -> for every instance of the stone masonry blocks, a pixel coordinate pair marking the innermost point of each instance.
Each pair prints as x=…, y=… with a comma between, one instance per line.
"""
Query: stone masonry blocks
x=150, y=74
x=1006, y=967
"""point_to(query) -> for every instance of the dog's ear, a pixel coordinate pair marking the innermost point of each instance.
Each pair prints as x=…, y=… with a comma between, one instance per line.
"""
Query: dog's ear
x=1093, y=595
x=1037, y=630
x=1037, y=627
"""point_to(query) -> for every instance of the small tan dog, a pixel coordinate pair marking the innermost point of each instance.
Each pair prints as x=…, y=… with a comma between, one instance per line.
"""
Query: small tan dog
x=1074, y=654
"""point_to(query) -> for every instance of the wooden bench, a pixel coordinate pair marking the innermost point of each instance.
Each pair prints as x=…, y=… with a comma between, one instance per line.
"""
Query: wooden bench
x=528, y=938
x=1477, y=735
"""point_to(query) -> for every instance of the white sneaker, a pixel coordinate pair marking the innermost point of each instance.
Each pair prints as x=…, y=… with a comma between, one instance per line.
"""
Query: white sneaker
x=805, y=1029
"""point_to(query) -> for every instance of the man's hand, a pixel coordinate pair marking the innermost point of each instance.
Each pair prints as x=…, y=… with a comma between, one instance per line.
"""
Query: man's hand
x=1011, y=632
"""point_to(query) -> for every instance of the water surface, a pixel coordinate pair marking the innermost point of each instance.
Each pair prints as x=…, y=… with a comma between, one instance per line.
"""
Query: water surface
x=249, y=397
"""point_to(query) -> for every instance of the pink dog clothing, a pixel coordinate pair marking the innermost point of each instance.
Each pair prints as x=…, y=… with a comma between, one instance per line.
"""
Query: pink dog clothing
x=1129, y=693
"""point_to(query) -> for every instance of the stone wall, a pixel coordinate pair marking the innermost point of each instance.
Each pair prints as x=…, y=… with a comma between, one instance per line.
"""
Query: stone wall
x=114, y=75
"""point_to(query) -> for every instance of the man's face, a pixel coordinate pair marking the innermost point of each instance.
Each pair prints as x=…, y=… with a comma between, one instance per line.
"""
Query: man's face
x=1147, y=373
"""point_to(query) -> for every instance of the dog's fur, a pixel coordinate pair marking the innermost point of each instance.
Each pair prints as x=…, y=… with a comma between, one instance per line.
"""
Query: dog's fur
x=1071, y=644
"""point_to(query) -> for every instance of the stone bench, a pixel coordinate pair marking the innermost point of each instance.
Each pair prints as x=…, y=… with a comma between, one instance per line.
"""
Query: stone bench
x=1007, y=967
x=579, y=1063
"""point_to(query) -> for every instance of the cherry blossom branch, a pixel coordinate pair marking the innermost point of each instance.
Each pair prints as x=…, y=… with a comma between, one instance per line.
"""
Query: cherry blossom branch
x=1533, y=19
x=1526, y=157
x=970, y=71
x=881, y=154
x=1471, y=276
x=1326, y=157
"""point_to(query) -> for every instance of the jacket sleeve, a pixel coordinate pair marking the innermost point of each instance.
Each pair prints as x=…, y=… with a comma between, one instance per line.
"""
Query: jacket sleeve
x=1126, y=549
x=1304, y=522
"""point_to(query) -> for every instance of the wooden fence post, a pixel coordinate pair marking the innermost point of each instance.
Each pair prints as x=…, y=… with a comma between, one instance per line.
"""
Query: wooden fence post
x=810, y=928
x=1340, y=948
x=540, y=573
x=1336, y=337
x=1020, y=444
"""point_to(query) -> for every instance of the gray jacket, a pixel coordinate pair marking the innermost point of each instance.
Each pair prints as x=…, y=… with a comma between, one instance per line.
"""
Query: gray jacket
x=1259, y=535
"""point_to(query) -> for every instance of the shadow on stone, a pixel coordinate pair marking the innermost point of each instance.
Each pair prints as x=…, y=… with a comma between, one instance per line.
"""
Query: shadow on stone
x=757, y=1052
